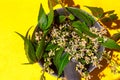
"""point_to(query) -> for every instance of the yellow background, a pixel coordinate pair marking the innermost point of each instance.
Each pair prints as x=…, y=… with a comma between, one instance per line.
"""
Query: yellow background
x=19, y=15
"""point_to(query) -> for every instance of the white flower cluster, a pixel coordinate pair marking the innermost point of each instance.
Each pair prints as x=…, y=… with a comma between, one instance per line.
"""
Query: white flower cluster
x=38, y=36
x=83, y=50
x=48, y=62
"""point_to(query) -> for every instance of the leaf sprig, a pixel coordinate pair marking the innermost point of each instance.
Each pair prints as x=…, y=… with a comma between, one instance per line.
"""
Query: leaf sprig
x=29, y=48
x=103, y=16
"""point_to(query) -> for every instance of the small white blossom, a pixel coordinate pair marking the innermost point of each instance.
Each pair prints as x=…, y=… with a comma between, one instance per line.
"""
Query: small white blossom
x=87, y=59
x=51, y=53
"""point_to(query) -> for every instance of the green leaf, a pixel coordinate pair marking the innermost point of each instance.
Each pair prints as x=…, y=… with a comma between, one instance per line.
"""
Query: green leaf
x=40, y=48
x=83, y=27
x=63, y=62
x=50, y=16
x=109, y=12
x=51, y=46
x=71, y=17
x=62, y=18
x=45, y=55
x=27, y=32
x=106, y=19
x=60, y=60
x=100, y=40
x=29, y=49
x=42, y=18
x=79, y=32
x=82, y=15
x=109, y=16
x=79, y=25
x=111, y=44
x=97, y=12
x=116, y=36
x=57, y=57
x=113, y=16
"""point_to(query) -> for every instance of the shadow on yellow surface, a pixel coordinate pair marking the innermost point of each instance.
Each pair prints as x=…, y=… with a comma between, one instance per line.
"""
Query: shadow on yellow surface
x=71, y=3
x=115, y=26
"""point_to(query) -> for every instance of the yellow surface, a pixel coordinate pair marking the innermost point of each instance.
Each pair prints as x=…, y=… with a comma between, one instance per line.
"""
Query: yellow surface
x=19, y=15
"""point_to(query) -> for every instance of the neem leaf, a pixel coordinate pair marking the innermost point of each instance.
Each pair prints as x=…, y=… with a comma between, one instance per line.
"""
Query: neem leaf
x=62, y=18
x=45, y=55
x=83, y=27
x=109, y=16
x=20, y=35
x=42, y=18
x=50, y=15
x=116, y=36
x=105, y=19
x=51, y=46
x=113, y=16
x=71, y=17
x=82, y=15
x=97, y=12
x=60, y=60
x=78, y=24
x=111, y=44
x=27, y=32
x=29, y=49
x=40, y=48
x=109, y=12
x=63, y=62
x=57, y=57
x=79, y=32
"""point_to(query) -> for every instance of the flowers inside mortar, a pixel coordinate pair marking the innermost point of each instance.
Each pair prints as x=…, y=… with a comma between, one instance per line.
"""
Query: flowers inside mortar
x=67, y=36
